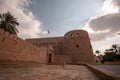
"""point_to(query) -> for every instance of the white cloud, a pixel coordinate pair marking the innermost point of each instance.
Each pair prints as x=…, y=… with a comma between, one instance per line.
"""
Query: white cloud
x=116, y=3
x=29, y=25
x=104, y=26
x=109, y=7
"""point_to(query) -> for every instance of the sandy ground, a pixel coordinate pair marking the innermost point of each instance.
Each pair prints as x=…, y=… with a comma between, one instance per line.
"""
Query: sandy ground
x=45, y=72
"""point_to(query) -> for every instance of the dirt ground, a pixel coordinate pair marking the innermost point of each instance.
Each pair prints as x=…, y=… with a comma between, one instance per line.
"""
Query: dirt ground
x=45, y=72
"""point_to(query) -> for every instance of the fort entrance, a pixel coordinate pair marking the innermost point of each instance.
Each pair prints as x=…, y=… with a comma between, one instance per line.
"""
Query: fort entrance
x=50, y=58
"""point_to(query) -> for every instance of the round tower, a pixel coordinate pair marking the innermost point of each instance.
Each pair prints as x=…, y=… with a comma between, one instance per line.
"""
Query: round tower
x=77, y=45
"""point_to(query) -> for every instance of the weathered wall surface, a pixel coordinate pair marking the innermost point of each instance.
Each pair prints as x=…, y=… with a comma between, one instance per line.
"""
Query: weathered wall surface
x=55, y=42
x=13, y=48
x=61, y=59
x=77, y=44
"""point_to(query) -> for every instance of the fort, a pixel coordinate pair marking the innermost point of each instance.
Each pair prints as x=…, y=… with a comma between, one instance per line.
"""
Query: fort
x=74, y=47
x=27, y=59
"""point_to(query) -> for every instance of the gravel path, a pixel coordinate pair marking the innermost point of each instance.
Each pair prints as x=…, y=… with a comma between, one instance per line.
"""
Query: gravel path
x=45, y=72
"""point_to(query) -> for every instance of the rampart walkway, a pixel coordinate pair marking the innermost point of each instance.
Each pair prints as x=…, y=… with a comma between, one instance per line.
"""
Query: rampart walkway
x=45, y=72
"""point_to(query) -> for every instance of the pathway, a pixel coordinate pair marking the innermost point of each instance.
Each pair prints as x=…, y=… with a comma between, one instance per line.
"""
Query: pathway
x=46, y=72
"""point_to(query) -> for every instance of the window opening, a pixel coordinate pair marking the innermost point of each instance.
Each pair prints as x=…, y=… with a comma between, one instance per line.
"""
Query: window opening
x=3, y=39
x=71, y=35
x=77, y=34
x=77, y=46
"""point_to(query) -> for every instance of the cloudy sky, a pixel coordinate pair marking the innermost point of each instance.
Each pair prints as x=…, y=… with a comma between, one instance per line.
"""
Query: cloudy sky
x=101, y=18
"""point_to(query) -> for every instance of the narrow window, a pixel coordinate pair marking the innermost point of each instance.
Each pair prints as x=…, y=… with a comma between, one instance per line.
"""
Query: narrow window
x=3, y=39
x=77, y=46
x=77, y=34
x=71, y=35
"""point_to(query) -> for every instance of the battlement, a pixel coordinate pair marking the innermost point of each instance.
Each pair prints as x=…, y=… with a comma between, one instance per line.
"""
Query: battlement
x=13, y=48
x=76, y=33
x=6, y=35
x=57, y=50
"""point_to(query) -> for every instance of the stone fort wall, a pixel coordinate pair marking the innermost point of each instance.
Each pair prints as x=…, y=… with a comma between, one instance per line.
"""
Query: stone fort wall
x=55, y=42
x=12, y=48
x=77, y=44
x=73, y=47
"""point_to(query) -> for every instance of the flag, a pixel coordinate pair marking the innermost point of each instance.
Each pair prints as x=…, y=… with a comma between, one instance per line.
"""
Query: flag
x=48, y=31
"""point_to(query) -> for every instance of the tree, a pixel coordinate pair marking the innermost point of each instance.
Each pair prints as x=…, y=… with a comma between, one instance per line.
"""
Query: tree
x=97, y=52
x=111, y=54
x=115, y=46
x=8, y=23
x=111, y=50
x=118, y=50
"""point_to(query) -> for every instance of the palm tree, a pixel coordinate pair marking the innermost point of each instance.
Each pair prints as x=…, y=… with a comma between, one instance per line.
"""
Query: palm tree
x=111, y=50
x=97, y=52
x=8, y=23
x=114, y=46
x=106, y=50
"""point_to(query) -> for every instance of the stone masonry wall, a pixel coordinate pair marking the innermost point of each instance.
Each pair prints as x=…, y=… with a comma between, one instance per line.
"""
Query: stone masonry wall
x=55, y=42
x=62, y=59
x=12, y=48
x=77, y=44
x=74, y=47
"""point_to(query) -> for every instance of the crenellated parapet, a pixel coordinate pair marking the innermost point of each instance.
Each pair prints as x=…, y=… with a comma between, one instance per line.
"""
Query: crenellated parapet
x=5, y=35
x=13, y=48
x=76, y=34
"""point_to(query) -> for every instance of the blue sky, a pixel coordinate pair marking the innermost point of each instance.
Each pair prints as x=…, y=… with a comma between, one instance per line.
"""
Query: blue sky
x=60, y=16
